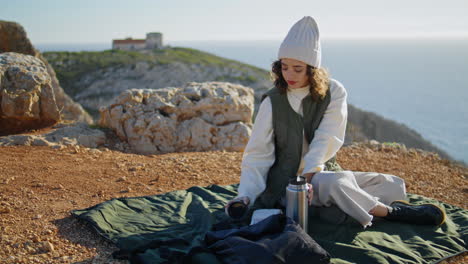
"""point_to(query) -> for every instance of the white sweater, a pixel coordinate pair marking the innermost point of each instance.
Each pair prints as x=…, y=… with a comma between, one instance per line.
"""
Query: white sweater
x=259, y=154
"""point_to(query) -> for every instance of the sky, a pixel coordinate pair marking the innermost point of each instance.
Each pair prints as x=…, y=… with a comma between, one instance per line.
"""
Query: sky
x=100, y=21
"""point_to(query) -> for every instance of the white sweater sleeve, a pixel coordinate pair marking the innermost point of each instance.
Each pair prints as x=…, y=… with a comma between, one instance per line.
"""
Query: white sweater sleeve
x=259, y=154
x=330, y=134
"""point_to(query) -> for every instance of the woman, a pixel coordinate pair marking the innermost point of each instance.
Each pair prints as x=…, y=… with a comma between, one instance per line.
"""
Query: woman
x=299, y=127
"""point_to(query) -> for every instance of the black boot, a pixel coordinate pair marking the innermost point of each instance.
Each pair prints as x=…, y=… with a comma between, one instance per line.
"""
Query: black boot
x=424, y=214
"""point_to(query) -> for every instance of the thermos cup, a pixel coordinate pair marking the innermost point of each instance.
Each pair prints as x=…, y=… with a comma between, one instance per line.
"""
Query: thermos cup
x=237, y=209
x=296, y=201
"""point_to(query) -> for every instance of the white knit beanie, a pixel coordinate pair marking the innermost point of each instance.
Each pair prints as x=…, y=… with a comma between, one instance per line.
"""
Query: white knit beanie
x=302, y=42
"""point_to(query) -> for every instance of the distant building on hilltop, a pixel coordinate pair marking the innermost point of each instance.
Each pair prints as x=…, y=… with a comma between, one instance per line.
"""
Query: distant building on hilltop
x=153, y=41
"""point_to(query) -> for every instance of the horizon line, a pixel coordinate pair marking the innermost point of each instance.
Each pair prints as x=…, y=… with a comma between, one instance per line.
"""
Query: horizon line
x=427, y=37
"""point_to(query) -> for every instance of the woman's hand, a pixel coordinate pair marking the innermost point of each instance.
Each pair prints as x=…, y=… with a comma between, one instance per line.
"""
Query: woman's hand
x=310, y=193
x=308, y=176
x=310, y=189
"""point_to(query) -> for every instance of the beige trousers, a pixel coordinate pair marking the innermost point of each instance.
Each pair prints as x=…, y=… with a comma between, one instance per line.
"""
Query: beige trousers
x=356, y=193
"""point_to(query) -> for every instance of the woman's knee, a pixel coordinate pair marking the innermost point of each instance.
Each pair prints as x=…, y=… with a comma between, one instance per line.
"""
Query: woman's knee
x=399, y=187
x=333, y=180
x=327, y=185
x=395, y=189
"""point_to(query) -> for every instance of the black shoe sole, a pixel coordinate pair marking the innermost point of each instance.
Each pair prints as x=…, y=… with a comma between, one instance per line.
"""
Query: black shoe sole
x=444, y=216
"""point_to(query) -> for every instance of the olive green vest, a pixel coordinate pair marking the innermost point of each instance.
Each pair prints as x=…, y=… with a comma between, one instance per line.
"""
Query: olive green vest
x=288, y=127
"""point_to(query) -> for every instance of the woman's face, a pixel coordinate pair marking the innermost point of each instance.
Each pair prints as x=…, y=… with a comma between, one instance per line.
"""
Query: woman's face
x=294, y=73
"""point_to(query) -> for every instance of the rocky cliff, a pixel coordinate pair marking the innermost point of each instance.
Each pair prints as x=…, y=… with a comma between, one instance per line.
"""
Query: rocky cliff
x=95, y=78
x=363, y=124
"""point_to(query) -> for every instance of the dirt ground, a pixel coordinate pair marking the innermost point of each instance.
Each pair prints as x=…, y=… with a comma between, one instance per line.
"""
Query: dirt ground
x=39, y=186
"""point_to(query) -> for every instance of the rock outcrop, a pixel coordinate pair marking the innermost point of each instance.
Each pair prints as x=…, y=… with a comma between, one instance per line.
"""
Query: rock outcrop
x=196, y=117
x=27, y=99
x=113, y=81
x=94, y=87
x=13, y=38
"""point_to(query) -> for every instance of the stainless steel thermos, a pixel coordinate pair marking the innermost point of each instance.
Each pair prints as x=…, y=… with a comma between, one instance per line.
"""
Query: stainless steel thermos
x=296, y=201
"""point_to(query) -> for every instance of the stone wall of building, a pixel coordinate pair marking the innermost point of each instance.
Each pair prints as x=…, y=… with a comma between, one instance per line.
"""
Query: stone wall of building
x=129, y=46
x=153, y=41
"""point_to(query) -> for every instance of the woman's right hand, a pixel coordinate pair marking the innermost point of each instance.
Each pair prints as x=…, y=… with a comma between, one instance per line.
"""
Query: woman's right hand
x=244, y=199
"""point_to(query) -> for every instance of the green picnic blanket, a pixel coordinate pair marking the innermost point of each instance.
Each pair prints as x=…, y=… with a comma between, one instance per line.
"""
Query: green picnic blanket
x=160, y=225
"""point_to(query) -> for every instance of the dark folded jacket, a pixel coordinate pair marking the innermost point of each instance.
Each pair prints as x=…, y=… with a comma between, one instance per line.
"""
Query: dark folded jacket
x=276, y=239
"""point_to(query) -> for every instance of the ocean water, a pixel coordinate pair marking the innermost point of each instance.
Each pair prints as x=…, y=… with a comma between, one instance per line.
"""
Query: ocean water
x=420, y=83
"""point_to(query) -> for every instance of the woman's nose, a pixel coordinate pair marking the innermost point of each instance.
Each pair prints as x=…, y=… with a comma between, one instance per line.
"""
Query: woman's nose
x=288, y=74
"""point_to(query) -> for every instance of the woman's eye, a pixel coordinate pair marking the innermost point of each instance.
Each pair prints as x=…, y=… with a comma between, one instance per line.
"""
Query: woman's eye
x=299, y=71
x=284, y=69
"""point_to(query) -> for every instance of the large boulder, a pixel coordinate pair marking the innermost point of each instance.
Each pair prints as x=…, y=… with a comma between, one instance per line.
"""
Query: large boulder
x=13, y=38
x=196, y=117
x=27, y=100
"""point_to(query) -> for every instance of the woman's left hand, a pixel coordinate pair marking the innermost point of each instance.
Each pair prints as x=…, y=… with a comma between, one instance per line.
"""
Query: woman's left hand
x=310, y=193
x=310, y=189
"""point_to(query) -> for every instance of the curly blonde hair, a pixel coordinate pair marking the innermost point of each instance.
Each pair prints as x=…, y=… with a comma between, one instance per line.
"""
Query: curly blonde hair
x=319, y=80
